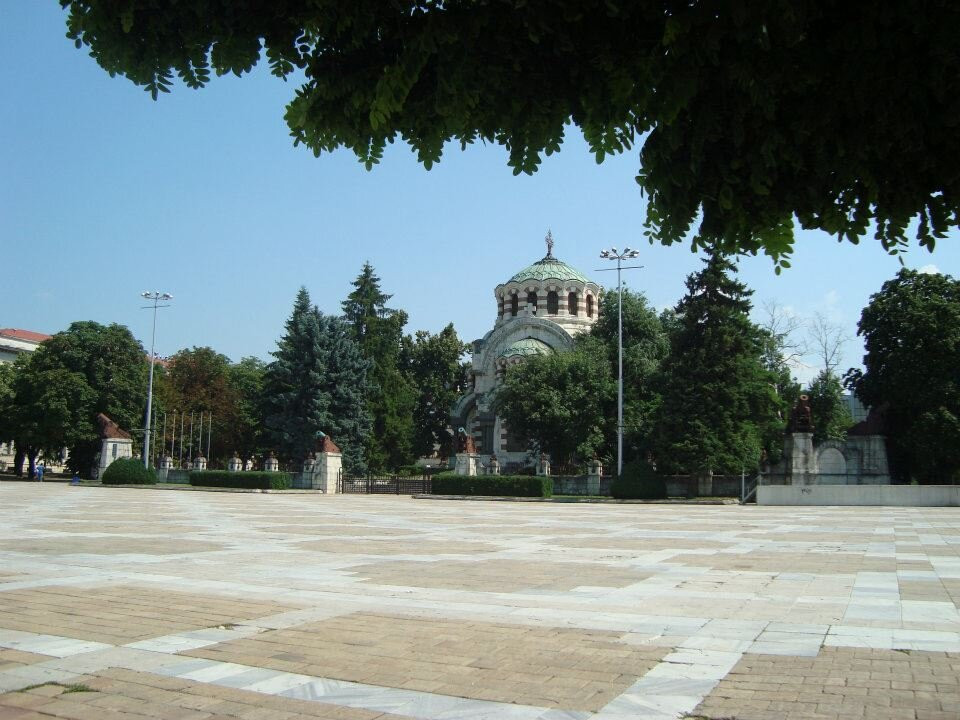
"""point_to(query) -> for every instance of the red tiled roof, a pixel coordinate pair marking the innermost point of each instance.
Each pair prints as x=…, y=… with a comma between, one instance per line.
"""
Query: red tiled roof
x=28, y=335
x=110, y=430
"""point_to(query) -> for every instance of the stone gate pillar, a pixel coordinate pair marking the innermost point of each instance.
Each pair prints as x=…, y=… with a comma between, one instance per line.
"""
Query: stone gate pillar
x=327, y=466
x=467, y=463
x=594, y=474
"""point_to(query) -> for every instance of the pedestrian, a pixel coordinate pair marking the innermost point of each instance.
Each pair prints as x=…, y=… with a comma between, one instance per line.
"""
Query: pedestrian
x=40, y=472
x=75, y=480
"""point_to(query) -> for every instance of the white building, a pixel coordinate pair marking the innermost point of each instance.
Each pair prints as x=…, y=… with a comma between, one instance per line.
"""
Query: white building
x=14, y=342
x=540, y=309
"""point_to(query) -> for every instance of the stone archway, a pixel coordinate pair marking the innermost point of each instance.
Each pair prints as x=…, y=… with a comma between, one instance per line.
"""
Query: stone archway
x=832, y=464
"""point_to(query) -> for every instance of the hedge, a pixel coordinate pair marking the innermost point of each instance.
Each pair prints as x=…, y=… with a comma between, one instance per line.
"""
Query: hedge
x=128, y=471
x=502, y=485
x=243, y=480
x=639, y=481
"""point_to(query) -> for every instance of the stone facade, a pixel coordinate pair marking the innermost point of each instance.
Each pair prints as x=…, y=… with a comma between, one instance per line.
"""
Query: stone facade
x=540, y=309
x=860, y=459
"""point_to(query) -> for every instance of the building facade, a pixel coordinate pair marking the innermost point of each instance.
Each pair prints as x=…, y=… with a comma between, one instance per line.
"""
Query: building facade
x=540, y=310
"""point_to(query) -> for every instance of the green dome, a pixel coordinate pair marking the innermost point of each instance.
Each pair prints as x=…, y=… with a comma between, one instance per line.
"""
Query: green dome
x=549, y=268
x=527, y=346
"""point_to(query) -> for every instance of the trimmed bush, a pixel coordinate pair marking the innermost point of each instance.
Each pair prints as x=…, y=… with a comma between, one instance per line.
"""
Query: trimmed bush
x=128, y=471
x=502, y=485
x=241, y=480
x=639, y=481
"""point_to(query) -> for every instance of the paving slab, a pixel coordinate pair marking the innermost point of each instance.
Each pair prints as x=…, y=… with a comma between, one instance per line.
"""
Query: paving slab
x=195, y=606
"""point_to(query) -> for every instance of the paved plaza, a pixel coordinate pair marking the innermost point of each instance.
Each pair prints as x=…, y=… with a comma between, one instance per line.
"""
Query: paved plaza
x=129, y=603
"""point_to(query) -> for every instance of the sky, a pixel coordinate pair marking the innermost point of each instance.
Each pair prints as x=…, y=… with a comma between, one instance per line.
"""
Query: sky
x=105, y=193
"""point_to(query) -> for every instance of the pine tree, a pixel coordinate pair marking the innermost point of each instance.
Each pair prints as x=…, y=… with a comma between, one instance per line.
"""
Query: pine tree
x=391, y=398
x=719, y=403
x=313, y=385
x=347, y=386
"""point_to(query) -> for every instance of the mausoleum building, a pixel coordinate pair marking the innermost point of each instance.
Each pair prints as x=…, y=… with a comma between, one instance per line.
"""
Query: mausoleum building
x=540, y=310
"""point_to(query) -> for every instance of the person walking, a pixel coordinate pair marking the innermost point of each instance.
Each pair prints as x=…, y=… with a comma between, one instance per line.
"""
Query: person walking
x=40, y=472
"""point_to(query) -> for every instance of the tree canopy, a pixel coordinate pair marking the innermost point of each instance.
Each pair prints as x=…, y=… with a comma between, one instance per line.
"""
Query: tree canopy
x=911, y=331
x=561, y=403
x=59, y=389
x=434, y=364
x=749, y=116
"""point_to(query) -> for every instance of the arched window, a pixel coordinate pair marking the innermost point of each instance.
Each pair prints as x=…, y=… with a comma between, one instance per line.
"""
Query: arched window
x=532, y=300
x=572, y=304
x=590, y=306
x=553, y=303
x=514, y=305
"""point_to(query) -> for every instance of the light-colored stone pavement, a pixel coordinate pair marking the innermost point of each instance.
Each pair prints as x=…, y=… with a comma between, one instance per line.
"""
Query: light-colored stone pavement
x=141, y=603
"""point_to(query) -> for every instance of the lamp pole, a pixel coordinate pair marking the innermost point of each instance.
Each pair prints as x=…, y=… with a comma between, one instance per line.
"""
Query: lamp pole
x=156, y=297
x=613, y=254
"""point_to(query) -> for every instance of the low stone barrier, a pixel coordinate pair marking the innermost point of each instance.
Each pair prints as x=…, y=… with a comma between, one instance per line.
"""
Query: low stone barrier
x=890, y=495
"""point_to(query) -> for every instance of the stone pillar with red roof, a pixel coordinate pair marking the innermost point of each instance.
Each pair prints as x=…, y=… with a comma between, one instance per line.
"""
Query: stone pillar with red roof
x=328, y=465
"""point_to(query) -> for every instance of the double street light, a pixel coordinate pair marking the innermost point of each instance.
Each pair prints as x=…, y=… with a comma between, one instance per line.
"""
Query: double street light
x=614, y=254
x=157, y=298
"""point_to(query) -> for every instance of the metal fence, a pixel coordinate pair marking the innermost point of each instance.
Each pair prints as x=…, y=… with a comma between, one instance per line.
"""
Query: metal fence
x=384, y=484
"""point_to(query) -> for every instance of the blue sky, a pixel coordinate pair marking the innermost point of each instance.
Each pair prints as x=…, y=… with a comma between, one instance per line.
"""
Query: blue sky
x=105, y=193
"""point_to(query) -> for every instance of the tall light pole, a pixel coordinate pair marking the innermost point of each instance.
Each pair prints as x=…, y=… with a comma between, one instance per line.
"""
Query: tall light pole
x=613, y=254
x=156, y=297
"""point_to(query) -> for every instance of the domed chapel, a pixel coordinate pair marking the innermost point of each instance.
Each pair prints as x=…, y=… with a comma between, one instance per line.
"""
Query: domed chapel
x=539, y=311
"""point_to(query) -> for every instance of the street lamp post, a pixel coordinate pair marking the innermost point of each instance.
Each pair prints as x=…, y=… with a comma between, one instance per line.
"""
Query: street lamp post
x=156, y=297
x=613, y=254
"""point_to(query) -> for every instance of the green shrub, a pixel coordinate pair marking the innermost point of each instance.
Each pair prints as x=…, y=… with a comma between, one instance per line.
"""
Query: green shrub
x=242, y=480
x=639, y=481
x=503, y=485
x=128, y=471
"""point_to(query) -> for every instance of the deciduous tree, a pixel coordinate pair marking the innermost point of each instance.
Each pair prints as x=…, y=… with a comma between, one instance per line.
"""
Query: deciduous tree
x=436, y=368
x=561, y=403
x=911, y=331
x=749, y=116
x=87, y=369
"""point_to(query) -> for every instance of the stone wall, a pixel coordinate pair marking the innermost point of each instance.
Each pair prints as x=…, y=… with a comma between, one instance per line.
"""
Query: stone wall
x=878, y=495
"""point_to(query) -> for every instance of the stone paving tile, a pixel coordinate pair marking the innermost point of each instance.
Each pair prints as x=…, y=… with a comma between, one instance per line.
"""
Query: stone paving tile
x=18, y=658
x=548, y=667
x=497, y=575
x=398, y=546
x=684, y=591
x=839, y=683
x=120, y=614
x=97, y=546
x=116, y=694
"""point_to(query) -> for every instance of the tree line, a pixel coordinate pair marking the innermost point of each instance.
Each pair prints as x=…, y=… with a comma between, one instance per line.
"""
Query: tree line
x=382, y=395
x=707, y=389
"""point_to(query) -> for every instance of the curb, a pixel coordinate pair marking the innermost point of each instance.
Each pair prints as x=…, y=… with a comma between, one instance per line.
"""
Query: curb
x=597, y=501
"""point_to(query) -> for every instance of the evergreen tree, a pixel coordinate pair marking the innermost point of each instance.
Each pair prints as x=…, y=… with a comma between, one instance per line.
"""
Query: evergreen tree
x=312, y=386
x=719, y=405
x=347, y=370
x=391, y=397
